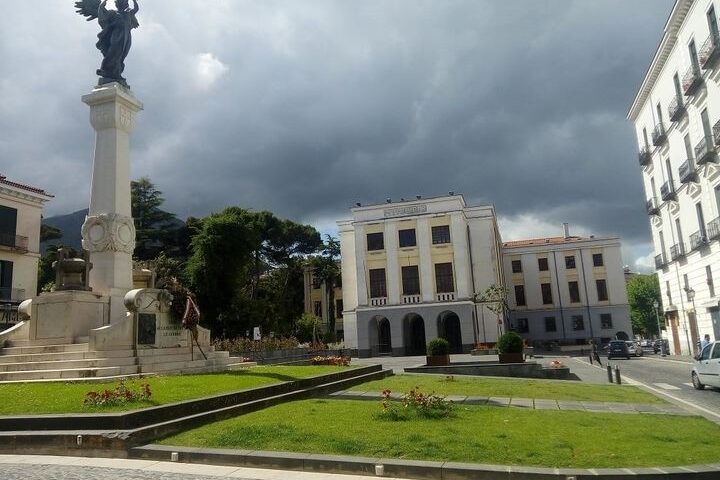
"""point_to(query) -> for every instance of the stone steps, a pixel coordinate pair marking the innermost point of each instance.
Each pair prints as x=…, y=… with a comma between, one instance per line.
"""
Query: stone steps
x=68, y=373
x=68, y=364
x=23, y=350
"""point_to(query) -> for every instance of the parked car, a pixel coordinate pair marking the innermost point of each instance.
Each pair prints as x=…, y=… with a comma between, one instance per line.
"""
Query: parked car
x=648, y=346
x=634, y=348
x=618, y=348
x=706, y=369
x=662, y=345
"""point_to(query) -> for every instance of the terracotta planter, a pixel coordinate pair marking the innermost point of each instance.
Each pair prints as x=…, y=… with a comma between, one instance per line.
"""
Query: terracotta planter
x=438, y=360
x=512, y=357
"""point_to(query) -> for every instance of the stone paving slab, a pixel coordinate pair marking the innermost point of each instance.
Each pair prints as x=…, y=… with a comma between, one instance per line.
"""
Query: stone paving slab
x=476, y=401
x=569, y=405
x=546, y=405
x=522, y=403
x=498, y=401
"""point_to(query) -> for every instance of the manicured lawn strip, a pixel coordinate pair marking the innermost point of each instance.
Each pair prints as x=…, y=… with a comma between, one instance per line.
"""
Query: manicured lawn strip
x=514, y=388
x=56, y=397
x=506, y=436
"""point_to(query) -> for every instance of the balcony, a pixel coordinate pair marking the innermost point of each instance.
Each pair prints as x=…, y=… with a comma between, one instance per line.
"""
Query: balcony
x=705, y=151
x=659, y=136
x=446, y=297
x=713, y=229
x=645, y=157
x=677, y=251
x=12, y=295
x=378, y=301
x=692, y=80
x=660, y=261
x=698, y=240
x=676, y=109
x=406, y=299
x=667, y=191
x=652, y=207
x=710, y=51
x=687, y=172
x=14, y=242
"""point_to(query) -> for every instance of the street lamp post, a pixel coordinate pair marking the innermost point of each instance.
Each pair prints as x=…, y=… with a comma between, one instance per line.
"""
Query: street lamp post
x=657, y=317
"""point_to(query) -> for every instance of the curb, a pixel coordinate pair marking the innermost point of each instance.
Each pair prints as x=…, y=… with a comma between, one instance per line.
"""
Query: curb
x=411, y=469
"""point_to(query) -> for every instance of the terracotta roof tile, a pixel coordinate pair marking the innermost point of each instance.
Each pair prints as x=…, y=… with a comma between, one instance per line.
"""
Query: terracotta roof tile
x=40, y=191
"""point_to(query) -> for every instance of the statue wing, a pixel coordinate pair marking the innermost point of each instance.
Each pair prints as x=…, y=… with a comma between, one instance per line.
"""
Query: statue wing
x=88, y=8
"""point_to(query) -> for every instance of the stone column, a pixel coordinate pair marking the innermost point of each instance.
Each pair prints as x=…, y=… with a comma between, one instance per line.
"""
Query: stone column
x=108, y=232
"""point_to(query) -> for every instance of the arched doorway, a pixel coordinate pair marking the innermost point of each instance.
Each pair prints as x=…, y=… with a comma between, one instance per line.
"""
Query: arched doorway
x=380, y=336
x=449, y=329
x=414, y=334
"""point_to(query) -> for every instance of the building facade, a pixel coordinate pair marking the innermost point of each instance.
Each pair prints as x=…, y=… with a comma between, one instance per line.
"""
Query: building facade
x=20, y=216
x=676, y=116
x=566, y=289
x=411, y=271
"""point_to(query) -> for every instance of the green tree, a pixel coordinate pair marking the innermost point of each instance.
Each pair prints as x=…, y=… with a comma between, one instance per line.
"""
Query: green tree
x=642, y=291
x=326, y=269
x=48, y=232
x=154, y=227
x=46, y=272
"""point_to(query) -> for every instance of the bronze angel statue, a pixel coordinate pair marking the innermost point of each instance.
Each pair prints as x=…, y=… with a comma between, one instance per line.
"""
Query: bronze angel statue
x=115, y=38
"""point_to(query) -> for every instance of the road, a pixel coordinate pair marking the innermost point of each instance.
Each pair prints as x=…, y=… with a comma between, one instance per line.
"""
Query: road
x=669, y=377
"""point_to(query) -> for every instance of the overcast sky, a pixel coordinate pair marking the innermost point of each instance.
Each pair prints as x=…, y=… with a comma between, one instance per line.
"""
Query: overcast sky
x=306, y=107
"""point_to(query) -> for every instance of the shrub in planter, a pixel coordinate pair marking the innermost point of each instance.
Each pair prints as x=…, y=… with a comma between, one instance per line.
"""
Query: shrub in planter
x=438, y=352
x=510, y=348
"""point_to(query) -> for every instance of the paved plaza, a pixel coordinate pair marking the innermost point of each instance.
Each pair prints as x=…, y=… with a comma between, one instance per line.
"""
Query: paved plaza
x=41, y=467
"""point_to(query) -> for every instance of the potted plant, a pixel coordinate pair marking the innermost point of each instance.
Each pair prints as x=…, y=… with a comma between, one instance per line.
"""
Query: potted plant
x=510, y=348
x=438, y=353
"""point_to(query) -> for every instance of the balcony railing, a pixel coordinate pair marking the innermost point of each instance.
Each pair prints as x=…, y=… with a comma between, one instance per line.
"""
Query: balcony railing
x=667, y=191
x=411, y=299
x=676, y=109
x=645, y=157
x=378, y=301
x=677, y=251
x=660, y=261
x=713, y=229
x=446, y=297
x=698, y=240
x=687, y=172
x=15, y=242
x=652, y=207
x=12, y=295
x=716, y=133
x=692, y=80
x=709, y=52
x=705, y=151
x=659, y=135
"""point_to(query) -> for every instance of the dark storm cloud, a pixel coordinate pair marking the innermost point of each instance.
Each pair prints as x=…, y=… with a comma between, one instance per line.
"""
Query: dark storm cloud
x=306, y=107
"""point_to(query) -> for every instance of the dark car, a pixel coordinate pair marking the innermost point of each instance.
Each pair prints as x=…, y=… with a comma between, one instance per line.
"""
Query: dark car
x=618, y=348
x=662, y=346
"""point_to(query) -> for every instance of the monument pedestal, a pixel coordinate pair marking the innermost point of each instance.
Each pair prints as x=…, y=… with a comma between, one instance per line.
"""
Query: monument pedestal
x=109, y=232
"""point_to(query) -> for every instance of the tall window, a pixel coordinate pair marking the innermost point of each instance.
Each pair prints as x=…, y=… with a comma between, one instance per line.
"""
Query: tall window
x=669, y=172
x=570, y=262
x=693, y=56
x=598, y=260
x=378, y=287
x=543, y=264
x=444, y=278
x=712, y=24
x=700, y=219
x=522, y=325
x=338, y=308
x=8, y=220
x=574, y=292
x=407, y=238
x=676, y=82
x=578, y=323
x=606, y=321
x=707, y=129
x=516, y=266
x=550, y=324
x=686, y=287
x=411, y=280
x=375, y=241
x=441, y=234
x=645, y=139
x=668, y=292
x=546, y=293
x=602, y=293
x=6, y=278
x=678, y=229
x=659, y=113
x=688, y=147
x=520, y=295
x=317, y=309
x=711, y=284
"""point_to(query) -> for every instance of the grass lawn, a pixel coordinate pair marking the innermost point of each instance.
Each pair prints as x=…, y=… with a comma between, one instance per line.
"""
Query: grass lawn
x=514, y=388
x=476, y=434
x=57, y=397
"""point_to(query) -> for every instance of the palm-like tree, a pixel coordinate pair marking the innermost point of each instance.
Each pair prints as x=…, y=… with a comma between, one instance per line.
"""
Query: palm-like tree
x=326, y=269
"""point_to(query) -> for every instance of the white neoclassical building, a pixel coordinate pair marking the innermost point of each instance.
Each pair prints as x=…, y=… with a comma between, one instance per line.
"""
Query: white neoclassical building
x=676, y=115
x=410, y=270
x=567, y=289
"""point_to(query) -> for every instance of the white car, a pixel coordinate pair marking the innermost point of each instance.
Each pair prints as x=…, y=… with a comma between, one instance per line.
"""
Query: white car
x=634, y=348
x=706, y=370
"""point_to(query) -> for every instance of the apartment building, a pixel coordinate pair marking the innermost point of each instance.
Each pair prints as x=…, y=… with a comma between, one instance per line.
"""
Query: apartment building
x=676, y=116
x=20, y=215
x=411, y=271
x=566, y=289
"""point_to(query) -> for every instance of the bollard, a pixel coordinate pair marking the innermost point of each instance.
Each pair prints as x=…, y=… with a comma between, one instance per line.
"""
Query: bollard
x=617, y=375
x=590, y=358
x=609, y=370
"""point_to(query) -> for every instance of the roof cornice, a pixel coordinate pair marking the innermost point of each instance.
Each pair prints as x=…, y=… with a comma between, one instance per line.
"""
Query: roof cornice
x=667, y=43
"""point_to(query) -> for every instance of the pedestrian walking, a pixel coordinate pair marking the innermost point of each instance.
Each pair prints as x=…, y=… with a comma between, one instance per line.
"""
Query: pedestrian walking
x=594, y=354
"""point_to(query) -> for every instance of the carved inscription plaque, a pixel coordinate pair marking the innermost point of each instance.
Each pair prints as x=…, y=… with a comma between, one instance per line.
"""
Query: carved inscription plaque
x=147, y=328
